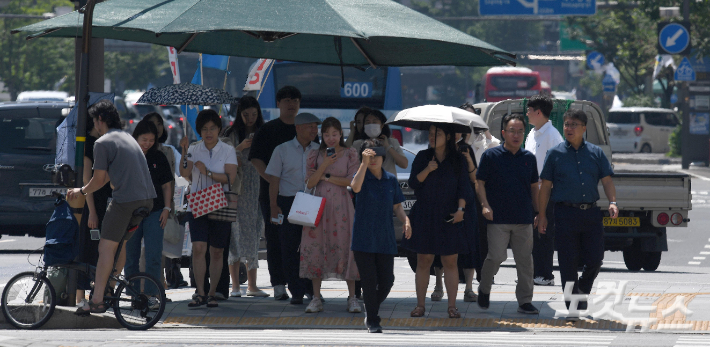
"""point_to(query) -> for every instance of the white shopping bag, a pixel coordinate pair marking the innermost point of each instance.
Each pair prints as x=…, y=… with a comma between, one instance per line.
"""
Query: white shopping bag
x=306, y=210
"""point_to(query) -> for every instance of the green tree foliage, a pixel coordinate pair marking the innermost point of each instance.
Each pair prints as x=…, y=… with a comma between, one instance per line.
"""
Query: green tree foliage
x=626, y=35
x=639, y=100
x=39, y=64
x=135, y=70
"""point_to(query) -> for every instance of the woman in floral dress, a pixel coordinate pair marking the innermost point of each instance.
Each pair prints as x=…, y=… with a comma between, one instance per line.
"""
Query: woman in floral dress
x=325, y=249
x=249, y=225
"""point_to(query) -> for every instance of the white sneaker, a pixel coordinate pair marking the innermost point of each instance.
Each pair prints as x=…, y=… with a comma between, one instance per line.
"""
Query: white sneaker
x=236, y=294
x=354, y=305
x=82, y=303
x=541, y=281
x=315, y=306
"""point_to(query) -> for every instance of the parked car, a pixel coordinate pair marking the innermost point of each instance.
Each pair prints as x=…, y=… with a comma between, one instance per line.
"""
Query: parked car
x=128, y=116
x=27, y=153
x=43, y=95
x=641, y=129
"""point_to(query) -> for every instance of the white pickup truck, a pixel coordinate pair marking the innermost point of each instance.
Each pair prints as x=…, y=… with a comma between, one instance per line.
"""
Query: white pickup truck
x=649, y=203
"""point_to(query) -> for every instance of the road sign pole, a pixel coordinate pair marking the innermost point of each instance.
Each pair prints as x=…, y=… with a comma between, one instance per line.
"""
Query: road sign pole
x=685, y=107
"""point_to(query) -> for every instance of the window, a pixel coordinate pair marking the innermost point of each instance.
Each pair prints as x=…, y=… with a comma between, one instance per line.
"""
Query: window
x=623, y=118
x=28, y=131
x=514, y=82
x=320, y=85
x=661, y=119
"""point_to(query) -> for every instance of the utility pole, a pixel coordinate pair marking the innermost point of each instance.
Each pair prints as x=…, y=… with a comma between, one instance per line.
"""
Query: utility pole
x=685, y=106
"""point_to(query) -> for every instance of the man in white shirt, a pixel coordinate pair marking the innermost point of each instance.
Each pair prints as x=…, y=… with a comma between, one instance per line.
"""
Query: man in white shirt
x=540, y=139
x=287, y=170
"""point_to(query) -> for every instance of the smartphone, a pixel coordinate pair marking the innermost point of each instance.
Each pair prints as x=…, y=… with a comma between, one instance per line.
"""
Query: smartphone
x=279, y=219
x=330, y=151
x=95, y=234
x=251, y=135
x=463, y=146
x=449, y=219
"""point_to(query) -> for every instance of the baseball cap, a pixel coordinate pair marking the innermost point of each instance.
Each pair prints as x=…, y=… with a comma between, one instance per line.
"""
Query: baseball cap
x=305, y=118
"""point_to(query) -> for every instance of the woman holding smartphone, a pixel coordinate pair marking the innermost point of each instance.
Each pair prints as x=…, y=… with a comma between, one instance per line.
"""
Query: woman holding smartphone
x=440, y=180
x=249, y=226
x=325, y=249
x=375, y=128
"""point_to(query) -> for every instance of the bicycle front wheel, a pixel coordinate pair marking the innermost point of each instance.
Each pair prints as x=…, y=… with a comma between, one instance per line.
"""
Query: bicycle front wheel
x=139, y=302
x=28, y=301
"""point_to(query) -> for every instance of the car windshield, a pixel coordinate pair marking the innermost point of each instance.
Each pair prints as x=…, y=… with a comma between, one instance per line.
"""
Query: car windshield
x=27, y=135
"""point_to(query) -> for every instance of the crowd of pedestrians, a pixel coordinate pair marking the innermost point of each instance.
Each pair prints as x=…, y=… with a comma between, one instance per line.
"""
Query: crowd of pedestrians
x=475, y=196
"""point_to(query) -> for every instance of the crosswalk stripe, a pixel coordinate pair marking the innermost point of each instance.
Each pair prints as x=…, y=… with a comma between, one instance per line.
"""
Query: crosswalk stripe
x=391, y=337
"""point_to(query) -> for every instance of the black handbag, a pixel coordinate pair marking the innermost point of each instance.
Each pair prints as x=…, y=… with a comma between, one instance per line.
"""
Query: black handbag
x=229, y=213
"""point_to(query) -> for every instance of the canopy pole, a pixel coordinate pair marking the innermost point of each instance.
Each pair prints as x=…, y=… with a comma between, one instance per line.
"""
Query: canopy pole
x=184, y=45
x=362, y=51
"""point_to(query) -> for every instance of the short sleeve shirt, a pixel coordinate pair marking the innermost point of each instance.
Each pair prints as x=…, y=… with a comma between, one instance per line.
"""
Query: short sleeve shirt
x=508, y=178
x=214, y=160
x=575, y=174
x=160, y=173
x=289, y=162
x=540, y=141
x=373, y=228
x=119, y=154
x=270, y=135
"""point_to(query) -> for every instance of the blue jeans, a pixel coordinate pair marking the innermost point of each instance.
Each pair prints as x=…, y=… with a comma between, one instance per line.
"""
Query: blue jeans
x=150, y=231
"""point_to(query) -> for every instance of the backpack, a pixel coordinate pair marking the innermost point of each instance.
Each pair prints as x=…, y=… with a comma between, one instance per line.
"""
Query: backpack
x=61, y=232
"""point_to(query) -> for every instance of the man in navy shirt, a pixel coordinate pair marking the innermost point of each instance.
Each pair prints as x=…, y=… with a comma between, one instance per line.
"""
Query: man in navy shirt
x=574, y=168
x=507, y=188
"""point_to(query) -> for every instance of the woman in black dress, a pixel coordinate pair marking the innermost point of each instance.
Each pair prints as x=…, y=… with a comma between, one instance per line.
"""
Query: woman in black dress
x=440, y=181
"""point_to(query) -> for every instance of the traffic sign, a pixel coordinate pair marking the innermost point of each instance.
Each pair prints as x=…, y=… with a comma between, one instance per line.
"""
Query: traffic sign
x=674, y=38
x=537, y=7
x=595, y=60
x=684, y=72
x=608, y=84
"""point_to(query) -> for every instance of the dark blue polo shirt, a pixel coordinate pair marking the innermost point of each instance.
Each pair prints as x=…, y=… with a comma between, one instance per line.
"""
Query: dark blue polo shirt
x=575, y=174
x=508, y=179
x=373, y=230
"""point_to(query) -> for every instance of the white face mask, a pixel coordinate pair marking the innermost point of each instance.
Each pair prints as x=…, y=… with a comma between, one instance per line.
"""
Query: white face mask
x=476, y=138
x=373, y=130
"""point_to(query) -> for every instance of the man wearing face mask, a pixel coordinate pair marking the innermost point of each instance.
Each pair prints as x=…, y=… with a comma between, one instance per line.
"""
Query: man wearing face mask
x=375, y=128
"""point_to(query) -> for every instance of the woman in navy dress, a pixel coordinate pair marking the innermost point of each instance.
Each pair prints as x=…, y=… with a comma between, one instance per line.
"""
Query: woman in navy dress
x=440, y=181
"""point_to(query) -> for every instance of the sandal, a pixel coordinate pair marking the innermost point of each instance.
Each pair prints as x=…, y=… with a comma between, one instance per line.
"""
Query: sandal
x=212, y=301
x=437, y=294
x=93, y=308
x=454, y=312
x=417, y=312
x=469, y=296
x=198, y=301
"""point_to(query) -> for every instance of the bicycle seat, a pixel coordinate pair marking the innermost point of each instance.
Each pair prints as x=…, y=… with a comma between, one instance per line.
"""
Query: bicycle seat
x=142, y=212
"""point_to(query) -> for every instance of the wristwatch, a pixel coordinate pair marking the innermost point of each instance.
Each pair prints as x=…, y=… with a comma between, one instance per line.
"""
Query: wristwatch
x=81, y=190
x=613, y=203
x=327, y=177
x=209, y=173
x=167, y=208
x=462, y=209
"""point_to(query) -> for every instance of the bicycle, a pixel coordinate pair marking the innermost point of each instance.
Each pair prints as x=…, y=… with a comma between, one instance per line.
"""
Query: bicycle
x=29, y=299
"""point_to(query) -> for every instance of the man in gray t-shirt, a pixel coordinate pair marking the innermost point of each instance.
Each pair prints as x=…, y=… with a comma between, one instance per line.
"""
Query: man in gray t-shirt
x=118, y=156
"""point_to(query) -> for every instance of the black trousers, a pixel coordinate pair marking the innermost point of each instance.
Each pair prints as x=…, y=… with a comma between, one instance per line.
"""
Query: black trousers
x=290, y=236
x=544, y=246
x=273, y=245
x=376, y=277
x=223, y=285
x=580, y=241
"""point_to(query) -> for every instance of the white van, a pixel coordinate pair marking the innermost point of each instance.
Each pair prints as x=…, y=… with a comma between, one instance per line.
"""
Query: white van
x=641, y=129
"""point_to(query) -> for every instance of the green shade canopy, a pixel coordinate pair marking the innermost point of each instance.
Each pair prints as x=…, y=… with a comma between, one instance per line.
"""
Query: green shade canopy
x=365, y=32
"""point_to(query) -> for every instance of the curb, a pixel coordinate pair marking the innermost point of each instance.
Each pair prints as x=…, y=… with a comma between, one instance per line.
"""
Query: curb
x=64, y=318
x=664, y=161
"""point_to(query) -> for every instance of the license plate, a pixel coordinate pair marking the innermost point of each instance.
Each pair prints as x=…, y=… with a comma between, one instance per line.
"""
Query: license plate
x=408, y=204
x=44, y=192
x=622, y=222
